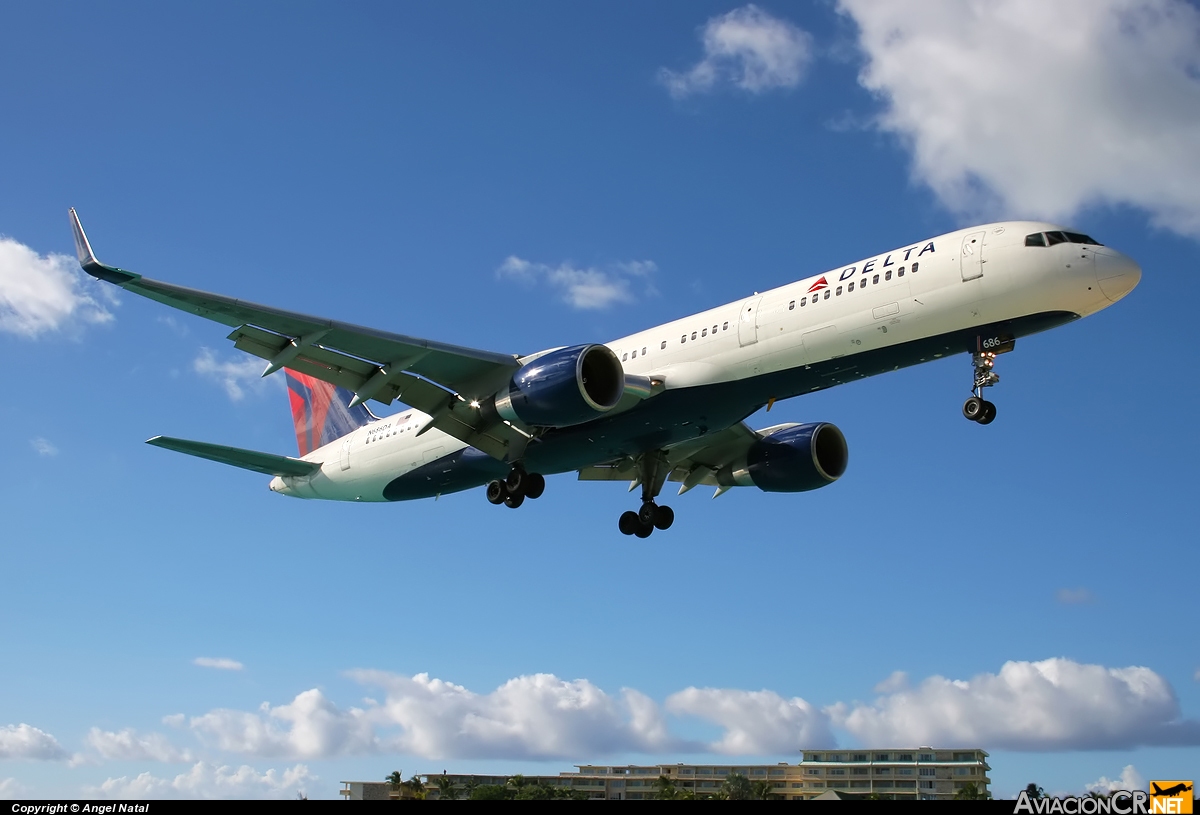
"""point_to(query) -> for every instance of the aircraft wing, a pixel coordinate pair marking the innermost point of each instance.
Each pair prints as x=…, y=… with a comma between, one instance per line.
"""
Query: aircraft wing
x=437, y=378
x=693, y=462
x=252, y=460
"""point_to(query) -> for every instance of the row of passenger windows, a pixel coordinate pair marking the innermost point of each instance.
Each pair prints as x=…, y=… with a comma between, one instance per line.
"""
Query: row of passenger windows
x=1052, y=238
x=862, y=284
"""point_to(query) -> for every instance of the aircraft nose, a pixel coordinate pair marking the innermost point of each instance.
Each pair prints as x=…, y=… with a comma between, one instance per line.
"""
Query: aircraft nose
x=1117, y=274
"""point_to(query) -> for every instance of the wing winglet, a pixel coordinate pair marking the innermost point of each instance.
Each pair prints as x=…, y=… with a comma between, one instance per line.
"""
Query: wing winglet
x=87, y=258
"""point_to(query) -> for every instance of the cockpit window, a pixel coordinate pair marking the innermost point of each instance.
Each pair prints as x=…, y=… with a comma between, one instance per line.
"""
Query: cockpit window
x=1055, y=237
x=1076, y=237
x=1036, y=239
x=1051, y=238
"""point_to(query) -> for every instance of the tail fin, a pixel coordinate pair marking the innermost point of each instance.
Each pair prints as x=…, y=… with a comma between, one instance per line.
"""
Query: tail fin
x=319, y=411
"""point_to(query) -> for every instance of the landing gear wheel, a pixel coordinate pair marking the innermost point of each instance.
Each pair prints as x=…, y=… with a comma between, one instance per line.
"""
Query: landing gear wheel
x=517, y=480
x=648, y=513
x=989, y=413
x=644, y=530
x=496, y=492
x=535, y=485
x=973, y=408
x=663, y=518
x=513, y=501
x=629, y=523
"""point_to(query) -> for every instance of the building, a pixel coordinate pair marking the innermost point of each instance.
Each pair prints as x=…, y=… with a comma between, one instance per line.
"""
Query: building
x=920, y=773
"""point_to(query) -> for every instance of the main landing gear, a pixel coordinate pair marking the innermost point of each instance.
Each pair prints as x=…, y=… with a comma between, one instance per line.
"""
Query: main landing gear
x=518, y=486
x=978, y=409
x=652, y=473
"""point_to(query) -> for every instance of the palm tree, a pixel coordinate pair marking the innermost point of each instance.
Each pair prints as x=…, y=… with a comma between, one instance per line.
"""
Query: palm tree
x=446, y=789
x=736, y=787
x=395, y=779
x=416, y=786
x=1034, y=791
x=517, y=781
x=970, y=792
x=664, y=789
x=761, y=790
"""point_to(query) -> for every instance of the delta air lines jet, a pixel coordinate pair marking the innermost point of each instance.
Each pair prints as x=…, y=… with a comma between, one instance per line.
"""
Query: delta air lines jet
x=665, y=404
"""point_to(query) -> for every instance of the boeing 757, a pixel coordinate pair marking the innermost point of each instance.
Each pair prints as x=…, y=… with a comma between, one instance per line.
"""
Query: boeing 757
x=665, y=404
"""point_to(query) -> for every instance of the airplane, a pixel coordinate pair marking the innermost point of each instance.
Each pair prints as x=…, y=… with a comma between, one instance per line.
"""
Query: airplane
x=1170, y=792
x=665, y=404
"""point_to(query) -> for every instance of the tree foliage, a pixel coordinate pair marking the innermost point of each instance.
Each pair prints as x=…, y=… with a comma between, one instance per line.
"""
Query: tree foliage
x=736, y=787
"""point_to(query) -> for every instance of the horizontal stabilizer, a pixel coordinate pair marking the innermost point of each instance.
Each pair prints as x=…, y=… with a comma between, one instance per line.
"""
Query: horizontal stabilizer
x=264, y=463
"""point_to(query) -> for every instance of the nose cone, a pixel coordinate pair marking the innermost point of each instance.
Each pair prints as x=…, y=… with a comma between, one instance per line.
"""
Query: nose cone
x=1117, y=274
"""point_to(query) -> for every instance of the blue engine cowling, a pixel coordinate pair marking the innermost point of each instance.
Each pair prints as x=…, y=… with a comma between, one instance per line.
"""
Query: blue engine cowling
x=793, y=459
x=563, y=388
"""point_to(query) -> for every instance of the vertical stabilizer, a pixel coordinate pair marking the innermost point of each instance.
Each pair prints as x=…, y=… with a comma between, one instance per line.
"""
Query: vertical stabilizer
x=319, y=411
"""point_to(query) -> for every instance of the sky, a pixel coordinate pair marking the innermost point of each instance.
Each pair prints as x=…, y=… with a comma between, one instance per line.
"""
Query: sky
x=526, y=175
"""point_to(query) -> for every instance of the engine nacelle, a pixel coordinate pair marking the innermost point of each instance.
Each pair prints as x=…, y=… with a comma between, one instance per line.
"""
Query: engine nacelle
x=563, y=388
x=793, y=459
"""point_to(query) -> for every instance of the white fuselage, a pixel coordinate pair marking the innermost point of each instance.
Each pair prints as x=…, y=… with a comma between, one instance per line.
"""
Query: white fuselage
x=971, y=277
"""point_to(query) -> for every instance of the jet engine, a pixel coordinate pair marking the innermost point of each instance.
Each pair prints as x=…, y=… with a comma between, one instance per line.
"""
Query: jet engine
x=563, y=388
x=792, y=459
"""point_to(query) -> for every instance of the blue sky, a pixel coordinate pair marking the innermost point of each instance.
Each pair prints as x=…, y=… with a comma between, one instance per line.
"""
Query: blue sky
x=381, y=165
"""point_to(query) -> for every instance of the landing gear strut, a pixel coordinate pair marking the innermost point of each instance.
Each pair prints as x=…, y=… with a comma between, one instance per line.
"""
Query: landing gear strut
x=978, y=409
x=514, y=489
x=652, y=473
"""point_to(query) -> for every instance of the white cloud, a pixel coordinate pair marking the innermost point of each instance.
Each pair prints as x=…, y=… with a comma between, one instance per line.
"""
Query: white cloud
x=43, y=447
x=589, y=288
x=24, y=741
x=896, y=682
x=534, y=717
x=748, y=49
x=1129, y=779
x=1026, y=108
x=309, y=727
x=209, y=781
x=220, y=663
x=10, y=789
x=755, y=722
x=1074, y=597
x=128, y=745
x=1055, y=704
x=45, y=293
x=236, y=375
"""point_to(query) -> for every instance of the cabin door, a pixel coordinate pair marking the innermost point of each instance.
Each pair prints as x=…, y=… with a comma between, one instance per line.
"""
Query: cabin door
x=971, y=256
x=748, y=322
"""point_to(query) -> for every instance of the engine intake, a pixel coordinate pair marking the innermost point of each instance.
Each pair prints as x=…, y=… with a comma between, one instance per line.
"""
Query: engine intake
x=563, y=388
x=793, y=459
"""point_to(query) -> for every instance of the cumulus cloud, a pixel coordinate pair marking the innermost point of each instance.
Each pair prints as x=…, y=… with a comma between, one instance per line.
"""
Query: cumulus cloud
x=40, y=293
x=1055, y=704
x=1074, y=597
x=220, y=663
x=755, y=722
x=209, y=781
x=10, y=789
x=1129, y=779
x=310, y=726
x=43, y=447
x=589, y=288
x=236, y=376
x=128, y=745
x=24, y=741
x=534, y=717
x=748, y=49
x=896, y=682
x=1020, y=107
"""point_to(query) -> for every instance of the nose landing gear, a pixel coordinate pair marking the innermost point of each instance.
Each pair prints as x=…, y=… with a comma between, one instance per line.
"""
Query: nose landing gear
x=518, y=486
x=978, y=409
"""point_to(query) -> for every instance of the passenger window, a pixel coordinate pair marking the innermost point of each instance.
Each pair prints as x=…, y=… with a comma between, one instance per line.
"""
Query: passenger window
x=803, y=300
x=792, y=305
x=643, y=351
x=624, y=357
x=839, y=291
x=714, y=329
x=1036, y=239
x=693, y=335
x=900, y=272
x=704, y=333
x=725, y=327
x=827, y=294
x=914, y=268
x=663, y=347
x=875, y=279
x=635, y=353
x=683, y=338
x=850, y=288
x=1055, y=237
x=888, y=275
